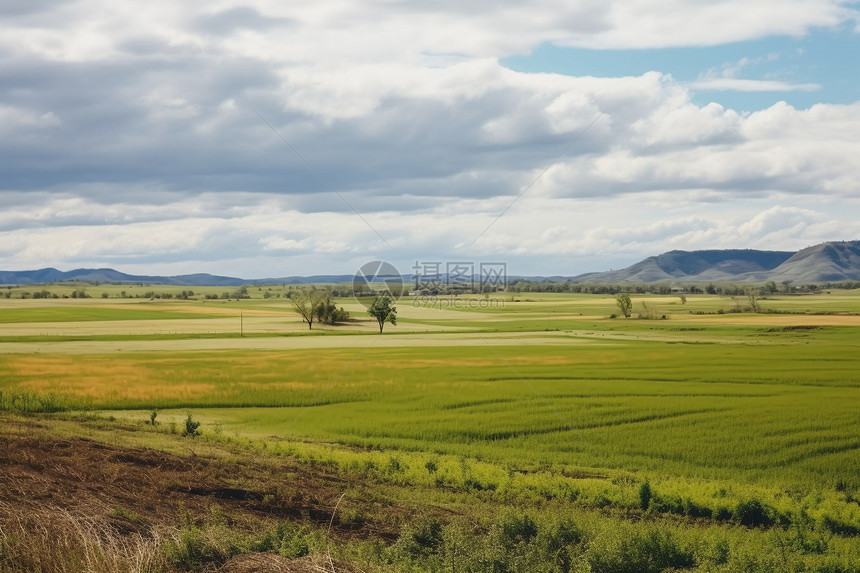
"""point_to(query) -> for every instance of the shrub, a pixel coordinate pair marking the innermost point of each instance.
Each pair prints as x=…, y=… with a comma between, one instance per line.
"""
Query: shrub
x=645, y=495
x=191, y=550
x=192, y=428
x=516, y=528
x=557, y=542
x=667, y=504
x=753, y=513
x=693, y=509
x=290, y=541
x=651, y=551
x=839, y=527
x=421, y=539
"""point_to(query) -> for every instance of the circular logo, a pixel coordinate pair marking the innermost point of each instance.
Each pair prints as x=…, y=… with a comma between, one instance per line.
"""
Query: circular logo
x=376, y=278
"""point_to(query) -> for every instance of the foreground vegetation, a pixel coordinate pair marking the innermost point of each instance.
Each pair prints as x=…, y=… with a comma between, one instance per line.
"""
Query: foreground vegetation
x=537, y=435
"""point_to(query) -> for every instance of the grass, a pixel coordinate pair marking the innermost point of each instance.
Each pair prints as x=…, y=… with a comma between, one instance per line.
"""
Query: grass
x=735, y=419
x=89, y=313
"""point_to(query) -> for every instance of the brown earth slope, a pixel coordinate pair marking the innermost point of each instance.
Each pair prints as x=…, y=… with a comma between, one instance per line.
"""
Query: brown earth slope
x=61, y=491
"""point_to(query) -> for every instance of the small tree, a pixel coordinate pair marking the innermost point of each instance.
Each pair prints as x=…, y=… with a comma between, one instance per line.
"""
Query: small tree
x=625, y=304
x=306, y=302
x=753, y=300
x=192, y=428
x=382, y=310
x=327, y=313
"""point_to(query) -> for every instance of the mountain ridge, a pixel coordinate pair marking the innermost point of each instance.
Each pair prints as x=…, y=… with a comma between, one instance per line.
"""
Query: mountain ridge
x=833, y=261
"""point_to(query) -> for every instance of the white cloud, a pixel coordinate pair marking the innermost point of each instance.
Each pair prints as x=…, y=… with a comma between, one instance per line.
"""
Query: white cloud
x=746, y=85
x=130, y=134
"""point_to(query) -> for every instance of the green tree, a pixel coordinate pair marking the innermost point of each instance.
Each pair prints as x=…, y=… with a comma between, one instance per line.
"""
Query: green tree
x=625, y=304
x=315, y=305
x=306, y=301
x=382, y=310
x=327, y=313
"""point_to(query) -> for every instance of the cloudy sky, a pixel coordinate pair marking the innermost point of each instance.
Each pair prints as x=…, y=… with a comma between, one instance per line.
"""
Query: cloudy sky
x=278, y=138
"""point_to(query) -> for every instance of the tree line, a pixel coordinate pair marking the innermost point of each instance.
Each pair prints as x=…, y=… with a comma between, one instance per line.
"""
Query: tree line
x=768, y=288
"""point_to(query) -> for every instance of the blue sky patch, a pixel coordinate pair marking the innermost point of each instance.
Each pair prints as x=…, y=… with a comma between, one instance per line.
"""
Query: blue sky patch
x=821, y=67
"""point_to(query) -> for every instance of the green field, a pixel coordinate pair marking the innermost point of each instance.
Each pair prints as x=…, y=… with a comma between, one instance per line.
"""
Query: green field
x=535, y=397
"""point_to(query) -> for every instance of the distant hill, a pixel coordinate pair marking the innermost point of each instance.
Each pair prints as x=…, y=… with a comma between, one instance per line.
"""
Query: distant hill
x=51, y=275
x=827, y=262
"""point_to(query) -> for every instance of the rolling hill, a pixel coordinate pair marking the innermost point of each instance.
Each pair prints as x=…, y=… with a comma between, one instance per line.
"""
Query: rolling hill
x=52, y=275
x=827, y=262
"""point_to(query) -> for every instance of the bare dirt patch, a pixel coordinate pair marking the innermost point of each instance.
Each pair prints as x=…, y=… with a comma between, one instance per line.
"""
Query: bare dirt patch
x=132, y=494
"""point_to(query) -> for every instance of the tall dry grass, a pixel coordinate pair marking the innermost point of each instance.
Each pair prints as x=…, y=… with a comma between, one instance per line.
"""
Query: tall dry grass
x=52, y=540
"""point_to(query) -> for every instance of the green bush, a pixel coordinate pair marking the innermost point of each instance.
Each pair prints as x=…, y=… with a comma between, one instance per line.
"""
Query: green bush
x=421, y=539
x=195, y=548
x=753, y=513
x=192, y=428
x=514, y=528
x=652, y=551
x=839, y=527
x=645, y=495
x=558, y=543
x=290, y=541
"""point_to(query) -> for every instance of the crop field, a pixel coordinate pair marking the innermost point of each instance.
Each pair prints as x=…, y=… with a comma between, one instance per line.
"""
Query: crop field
x=682, y=419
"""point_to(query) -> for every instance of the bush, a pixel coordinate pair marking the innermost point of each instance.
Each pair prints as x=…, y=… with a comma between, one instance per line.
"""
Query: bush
x=645, y=495
x=839, y=527
x=651, y=551
x=194, y=548
x=421, y=539
x=667, y=504
x=516, y=528
x=557, y=542
x=192, y=428
x=753, y=513
x=290, y=541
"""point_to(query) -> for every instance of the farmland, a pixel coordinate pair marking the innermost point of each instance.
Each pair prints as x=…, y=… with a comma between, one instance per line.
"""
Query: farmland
x=729, y=439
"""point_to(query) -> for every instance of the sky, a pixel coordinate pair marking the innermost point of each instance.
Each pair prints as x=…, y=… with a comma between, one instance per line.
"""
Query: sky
x=271, y=138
